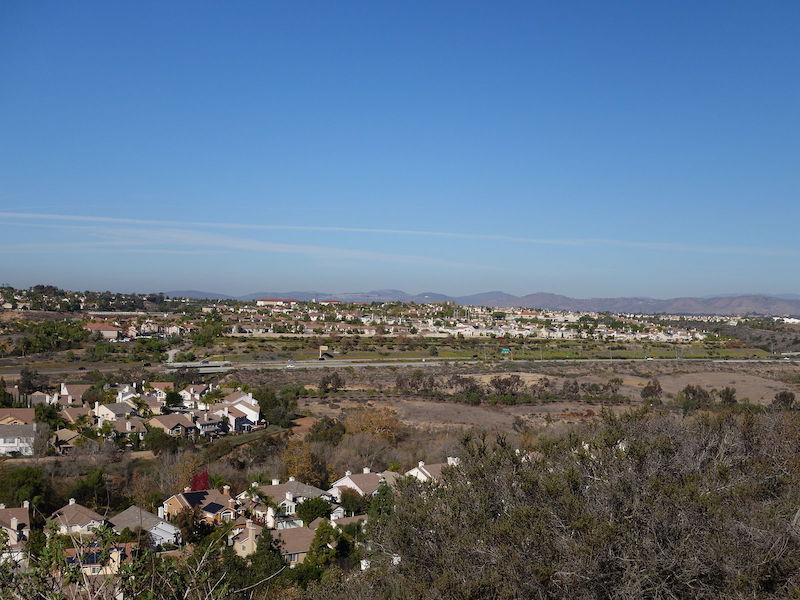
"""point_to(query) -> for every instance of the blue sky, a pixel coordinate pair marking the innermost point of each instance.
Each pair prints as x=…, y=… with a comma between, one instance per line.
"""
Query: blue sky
x=584, y=148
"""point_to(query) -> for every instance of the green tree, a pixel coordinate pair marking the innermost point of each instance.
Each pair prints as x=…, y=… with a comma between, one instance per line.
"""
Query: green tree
x=156, y=440
x=91, y=490
x=727, y=395
x=6, y=398
x=173, y=399
x=278, y=409
x=640, y=506
x=353, y=502
x=49, y=414
x=652, y=391
x=30, y=381
x=322, y=551
x=693, y=397
x=331, y=382
x=382, y=503
x=784, y=400
x=18, y=484
x=313, y=508
x=326, y=430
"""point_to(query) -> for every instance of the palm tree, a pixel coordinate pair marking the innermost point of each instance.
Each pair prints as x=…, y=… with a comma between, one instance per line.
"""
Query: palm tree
x=216, y=481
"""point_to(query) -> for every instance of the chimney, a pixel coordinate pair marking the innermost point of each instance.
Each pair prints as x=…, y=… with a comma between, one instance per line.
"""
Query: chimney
x=348, y=473
x=276, y=482
x=26, y=504
x=128, y=426
x=187, y=489
x=71, y=501
x=231, y=502
x=2, y=506
x=226, y=489
x=13, y=523
x=290, y=496
x=291, y=478
x=366, y=470
x=96, y=406
x=254, y=484
x=206, y=417
x=452, y=461
x=191, y=415
x=160, y=512
x=421, y=464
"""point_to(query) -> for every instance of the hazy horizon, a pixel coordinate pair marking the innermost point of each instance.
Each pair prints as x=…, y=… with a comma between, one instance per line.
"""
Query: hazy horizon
x=412, y=292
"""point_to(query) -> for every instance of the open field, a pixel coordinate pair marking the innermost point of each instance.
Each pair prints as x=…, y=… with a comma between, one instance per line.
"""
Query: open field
x=756, y=383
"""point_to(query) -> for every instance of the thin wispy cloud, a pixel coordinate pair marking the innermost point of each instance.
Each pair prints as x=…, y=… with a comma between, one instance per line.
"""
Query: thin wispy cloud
x=306, y=249
x=153, y=241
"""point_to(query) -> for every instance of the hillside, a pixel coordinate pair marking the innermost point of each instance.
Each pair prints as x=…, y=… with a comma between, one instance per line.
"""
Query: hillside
x=757, y=304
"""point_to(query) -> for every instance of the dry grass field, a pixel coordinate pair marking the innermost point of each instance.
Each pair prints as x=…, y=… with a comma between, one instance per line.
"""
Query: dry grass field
x=754, y=382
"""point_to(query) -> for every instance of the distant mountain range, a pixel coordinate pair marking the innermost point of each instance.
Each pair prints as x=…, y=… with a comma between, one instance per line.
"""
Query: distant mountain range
x=758, y=304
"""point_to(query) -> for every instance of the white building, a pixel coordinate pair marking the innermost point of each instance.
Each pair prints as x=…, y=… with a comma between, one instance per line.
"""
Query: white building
x=431, y=472
x=17, y=439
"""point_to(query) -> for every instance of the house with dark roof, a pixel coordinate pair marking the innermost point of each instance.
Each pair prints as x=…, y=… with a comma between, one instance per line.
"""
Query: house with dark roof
x=95, y=560
x=211, y=506
x=210, y=425
x=112, y=412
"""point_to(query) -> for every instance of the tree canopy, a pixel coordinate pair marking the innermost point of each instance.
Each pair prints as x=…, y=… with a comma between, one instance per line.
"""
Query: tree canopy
x=642, y=506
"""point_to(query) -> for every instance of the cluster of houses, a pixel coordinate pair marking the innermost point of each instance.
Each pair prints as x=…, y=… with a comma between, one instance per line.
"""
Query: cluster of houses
x=203, y=412
x=269, y=507
x=287, y=316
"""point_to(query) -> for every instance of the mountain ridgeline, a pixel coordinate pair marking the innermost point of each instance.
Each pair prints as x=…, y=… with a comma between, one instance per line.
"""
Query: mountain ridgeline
x=757, y=304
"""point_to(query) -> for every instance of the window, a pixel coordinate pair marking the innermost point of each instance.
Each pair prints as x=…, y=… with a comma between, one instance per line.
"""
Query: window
x=95, y=570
